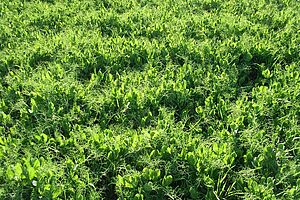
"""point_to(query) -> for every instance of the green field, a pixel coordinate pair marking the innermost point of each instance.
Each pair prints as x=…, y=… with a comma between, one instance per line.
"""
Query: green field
x=150, y=99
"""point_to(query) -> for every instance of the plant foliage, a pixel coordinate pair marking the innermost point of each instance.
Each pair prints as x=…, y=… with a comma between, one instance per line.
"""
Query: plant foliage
x=149, y=99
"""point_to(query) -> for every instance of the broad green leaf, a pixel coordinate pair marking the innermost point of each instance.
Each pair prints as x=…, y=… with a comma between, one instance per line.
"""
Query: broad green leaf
x=9, y=173
x=18, y=170
x=31, y=173
x=36, y=164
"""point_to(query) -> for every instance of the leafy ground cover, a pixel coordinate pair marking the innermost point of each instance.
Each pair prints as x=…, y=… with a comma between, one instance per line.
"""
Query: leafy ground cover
x=149, y=99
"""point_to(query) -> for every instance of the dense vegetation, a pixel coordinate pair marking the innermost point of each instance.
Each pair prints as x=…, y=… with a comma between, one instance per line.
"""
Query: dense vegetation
x=150, y=99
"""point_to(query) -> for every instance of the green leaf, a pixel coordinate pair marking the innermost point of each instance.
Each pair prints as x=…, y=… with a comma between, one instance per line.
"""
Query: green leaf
x=45, y=137
x=167, y=180
x=138, y=197
x=154, y=174
x=194, y=193
x=31, y=173
x=120, y=181
x=128, y=185
x=18, y=170
x=57, y=192
x=36, y=164
x=191, y=158
x=1, y=140
x=47, y=187
x=9, y=173
x=148, y=186
x=199, y=110
x=266, y=73
x=209, y=182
